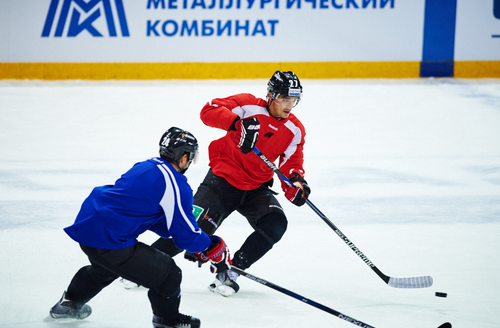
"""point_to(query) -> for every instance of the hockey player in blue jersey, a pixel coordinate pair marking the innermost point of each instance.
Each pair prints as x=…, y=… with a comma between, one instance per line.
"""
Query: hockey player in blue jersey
x=153, y=195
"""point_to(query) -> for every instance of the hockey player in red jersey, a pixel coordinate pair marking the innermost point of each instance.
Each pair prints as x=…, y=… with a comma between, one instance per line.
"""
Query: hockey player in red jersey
x=239, y=181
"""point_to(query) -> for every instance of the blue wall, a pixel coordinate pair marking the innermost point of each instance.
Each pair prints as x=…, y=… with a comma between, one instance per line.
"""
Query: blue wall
x=439, y=38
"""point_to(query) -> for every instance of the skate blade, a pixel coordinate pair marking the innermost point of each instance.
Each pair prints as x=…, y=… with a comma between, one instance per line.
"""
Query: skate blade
x=127, y=284
x=223, y=290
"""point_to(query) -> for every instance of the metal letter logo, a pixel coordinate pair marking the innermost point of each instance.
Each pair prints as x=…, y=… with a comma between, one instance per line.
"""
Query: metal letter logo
x=91, y=11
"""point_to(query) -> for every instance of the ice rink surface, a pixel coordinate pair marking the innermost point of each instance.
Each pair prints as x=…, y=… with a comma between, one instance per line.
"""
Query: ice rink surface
x=409, y=170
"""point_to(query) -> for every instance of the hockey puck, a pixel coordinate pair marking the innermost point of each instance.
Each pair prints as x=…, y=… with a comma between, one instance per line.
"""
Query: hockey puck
x=439, y=294
x=445, y=325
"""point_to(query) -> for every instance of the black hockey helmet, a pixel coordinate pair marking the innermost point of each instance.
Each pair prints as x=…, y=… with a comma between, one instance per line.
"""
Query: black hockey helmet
x=175, y=143
x=286, y=84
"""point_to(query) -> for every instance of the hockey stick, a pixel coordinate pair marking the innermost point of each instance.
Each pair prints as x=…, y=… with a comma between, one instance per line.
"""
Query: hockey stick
x=301, y=298
x=412, y=282
x=309, y=301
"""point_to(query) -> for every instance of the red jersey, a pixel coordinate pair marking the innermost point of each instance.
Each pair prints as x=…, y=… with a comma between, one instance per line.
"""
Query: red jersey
x=283, y=139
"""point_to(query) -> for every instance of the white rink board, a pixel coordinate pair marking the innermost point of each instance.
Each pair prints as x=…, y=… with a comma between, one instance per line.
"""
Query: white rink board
x=476, y=26
x=347, y=33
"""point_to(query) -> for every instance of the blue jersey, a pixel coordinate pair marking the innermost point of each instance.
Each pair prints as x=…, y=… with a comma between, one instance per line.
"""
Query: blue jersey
x=153, y=196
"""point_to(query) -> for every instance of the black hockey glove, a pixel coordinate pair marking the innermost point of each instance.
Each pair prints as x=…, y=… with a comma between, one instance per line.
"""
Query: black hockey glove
x=298, y=194
x=193, y=258
x=247, y=132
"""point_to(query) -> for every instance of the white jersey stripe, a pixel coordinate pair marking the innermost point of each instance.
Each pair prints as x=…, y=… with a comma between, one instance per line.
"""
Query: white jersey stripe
x=297, y=137
x=167, y=201
x=170, y=199
x=250, y=110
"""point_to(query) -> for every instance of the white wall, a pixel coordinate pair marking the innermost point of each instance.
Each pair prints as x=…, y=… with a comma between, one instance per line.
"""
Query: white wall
x=385, y=30
x=475, y=26
x=391, y=33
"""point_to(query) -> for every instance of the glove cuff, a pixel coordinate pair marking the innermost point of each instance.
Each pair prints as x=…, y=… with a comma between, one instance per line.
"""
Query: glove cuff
x=232, y=127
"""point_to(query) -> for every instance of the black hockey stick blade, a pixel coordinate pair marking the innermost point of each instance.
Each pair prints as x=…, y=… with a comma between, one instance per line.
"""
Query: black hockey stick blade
x=302, y=298
x=412, y=282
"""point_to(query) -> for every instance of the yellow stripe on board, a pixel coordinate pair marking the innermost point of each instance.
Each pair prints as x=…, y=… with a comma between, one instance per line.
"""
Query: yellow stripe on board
x=477, y=69
x=310, y=70
x=152, y=71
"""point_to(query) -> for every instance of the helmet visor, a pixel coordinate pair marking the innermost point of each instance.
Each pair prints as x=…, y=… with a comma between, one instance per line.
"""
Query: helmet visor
x=194, y=157
x=284, y=100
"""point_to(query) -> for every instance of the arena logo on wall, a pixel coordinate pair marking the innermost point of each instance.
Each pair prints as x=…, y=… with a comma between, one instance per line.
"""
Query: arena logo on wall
x=90, y=11
x=258, y=27
x=71, y=18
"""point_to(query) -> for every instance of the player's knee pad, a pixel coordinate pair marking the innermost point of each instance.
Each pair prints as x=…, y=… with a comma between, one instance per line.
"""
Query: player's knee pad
x=273, y=226
x=171, y=285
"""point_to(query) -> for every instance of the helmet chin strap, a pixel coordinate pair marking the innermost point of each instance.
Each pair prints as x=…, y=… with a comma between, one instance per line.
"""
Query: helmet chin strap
x=270, y=99
x=182, y=171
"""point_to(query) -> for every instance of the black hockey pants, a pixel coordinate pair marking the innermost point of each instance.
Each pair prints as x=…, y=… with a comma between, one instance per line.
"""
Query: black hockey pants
x=141, y=264
x=216, y=199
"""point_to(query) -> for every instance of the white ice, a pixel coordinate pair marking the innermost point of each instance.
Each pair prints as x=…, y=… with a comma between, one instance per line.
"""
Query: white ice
x=409, y=170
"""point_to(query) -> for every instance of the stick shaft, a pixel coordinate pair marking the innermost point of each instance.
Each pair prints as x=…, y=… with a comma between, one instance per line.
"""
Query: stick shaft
x=413, y=282
x=301, y=298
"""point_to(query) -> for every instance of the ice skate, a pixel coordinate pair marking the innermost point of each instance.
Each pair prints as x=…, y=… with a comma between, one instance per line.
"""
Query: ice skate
x=66, y=309
x=225, y=283
x=127, y=284
x=184, y=321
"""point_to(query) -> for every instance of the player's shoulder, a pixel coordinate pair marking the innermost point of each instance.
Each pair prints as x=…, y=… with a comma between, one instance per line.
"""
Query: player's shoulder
x=292, y=118
x=250, y=98
x=167, y=173
x=165, y=169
